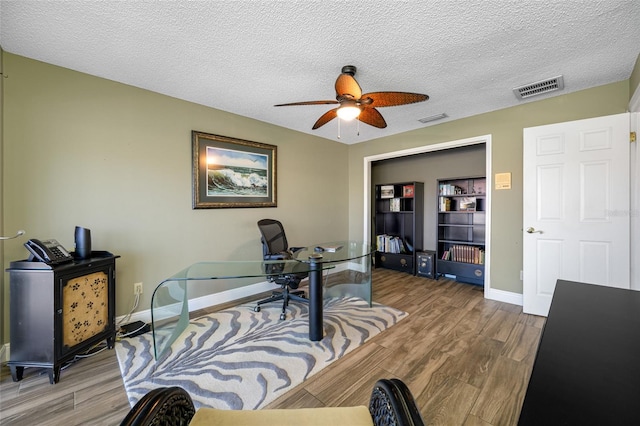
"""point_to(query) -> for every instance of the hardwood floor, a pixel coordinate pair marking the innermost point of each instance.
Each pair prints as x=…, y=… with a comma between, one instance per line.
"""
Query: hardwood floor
x=466, y=360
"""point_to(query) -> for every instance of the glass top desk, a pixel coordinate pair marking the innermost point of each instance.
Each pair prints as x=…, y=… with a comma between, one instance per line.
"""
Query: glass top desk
x=170, y=299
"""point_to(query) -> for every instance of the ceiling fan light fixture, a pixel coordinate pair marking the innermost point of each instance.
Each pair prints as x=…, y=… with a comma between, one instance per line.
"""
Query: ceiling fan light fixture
x=353, y=103
x=348, y=112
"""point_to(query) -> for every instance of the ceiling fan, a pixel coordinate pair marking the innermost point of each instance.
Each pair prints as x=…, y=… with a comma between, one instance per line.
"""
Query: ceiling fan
x=355, y=104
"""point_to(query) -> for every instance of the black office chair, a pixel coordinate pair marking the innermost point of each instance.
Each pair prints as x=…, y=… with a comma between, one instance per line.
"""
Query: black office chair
x=276, y=247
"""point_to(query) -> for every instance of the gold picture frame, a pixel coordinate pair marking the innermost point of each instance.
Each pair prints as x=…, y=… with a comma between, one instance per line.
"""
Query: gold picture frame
x=232, y=173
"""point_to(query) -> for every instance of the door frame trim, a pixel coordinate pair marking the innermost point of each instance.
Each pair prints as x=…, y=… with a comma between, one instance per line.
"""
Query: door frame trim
x=634, y=109
x=634, y=201
x=484, y=139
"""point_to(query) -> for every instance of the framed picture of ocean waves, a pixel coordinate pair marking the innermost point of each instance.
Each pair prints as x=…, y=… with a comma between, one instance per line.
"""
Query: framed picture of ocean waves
x=229, y=172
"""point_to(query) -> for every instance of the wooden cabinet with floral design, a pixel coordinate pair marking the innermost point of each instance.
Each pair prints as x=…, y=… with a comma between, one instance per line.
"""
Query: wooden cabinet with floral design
x=60, y=311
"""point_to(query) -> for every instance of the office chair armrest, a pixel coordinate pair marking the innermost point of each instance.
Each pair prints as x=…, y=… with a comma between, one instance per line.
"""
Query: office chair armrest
x=166, y=405
x=292, y=250
x=277, y=256
x=392, y=403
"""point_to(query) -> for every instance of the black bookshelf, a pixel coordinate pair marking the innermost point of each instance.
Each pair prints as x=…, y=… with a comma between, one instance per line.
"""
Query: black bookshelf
x=461, y=228
x=399, y=225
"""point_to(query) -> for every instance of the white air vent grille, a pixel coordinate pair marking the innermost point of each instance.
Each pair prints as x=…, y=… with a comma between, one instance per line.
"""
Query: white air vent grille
x=433, y=118
x=539, y=87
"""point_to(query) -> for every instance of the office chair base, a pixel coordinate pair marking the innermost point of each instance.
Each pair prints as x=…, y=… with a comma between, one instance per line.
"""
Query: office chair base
x=285, y=296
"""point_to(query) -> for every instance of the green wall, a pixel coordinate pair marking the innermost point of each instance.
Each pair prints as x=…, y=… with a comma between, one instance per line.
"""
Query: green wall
x=82, y=150
x=505, y=127
x=634, y=80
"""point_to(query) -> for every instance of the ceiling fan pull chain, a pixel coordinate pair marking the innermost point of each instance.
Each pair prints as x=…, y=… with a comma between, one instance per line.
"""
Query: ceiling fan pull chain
x=339, y=128
x=358, y=127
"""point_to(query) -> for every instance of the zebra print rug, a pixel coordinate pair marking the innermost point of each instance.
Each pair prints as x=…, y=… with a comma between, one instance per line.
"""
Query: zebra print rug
x=241, y=359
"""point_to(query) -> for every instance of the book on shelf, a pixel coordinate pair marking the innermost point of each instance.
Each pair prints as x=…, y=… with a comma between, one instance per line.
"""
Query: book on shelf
x=448, y=189
x=394, y=205
x=445, y=204
x=408, y=191
x=390, y=244
x=464, y=254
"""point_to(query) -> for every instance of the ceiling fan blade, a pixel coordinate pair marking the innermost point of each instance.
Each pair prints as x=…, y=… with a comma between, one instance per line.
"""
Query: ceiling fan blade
x=325, y=118
x=372, y=117
x=385, y=99
x=309, y=103
x=347, y=85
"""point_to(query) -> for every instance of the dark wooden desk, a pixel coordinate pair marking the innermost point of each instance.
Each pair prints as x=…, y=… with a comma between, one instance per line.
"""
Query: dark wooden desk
x=587, y=370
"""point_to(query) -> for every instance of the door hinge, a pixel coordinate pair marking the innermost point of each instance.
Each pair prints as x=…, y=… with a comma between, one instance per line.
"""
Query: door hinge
x=632, y=137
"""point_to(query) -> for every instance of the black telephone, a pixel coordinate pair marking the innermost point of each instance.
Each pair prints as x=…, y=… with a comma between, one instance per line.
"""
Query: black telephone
x=48, y=251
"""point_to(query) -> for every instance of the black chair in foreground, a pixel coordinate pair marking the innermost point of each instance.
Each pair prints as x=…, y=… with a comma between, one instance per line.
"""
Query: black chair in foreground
x=391, y=404
x=276, y=247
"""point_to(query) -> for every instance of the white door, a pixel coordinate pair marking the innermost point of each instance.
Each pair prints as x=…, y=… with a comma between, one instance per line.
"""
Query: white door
x=576, y=207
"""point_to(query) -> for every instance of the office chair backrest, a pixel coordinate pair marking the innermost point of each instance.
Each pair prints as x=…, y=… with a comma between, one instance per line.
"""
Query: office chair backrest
x=274, y=240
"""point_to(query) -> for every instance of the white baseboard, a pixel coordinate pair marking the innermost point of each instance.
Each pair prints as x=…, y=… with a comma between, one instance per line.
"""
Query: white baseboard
x=504, y=296
x=208, y=301
x=228, y=295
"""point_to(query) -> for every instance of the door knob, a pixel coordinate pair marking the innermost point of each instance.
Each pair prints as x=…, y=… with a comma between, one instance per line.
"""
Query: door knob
x=531, y=230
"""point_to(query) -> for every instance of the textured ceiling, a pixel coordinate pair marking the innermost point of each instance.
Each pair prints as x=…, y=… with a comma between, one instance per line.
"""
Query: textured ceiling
x=246, y=56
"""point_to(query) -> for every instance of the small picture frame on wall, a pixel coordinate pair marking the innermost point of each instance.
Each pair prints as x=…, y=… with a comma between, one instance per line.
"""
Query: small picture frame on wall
x=229, y=172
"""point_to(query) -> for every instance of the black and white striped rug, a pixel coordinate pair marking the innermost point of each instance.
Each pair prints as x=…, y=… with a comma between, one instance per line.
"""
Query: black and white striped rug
x=241, y=359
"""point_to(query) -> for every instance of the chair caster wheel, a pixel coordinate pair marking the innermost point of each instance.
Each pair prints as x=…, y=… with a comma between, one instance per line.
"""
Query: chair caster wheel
x=283, y=317
x=256, y=309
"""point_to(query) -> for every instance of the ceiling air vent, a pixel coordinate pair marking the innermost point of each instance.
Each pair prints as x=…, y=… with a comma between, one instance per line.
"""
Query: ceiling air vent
x=433, y=118
x=539, y=87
